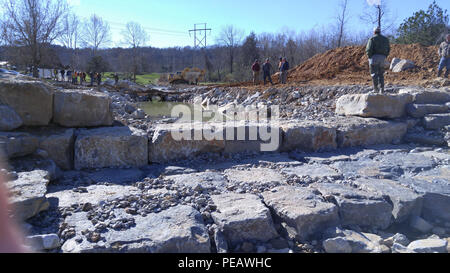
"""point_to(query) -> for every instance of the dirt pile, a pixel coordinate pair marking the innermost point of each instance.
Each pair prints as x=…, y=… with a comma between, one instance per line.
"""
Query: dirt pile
x=351, y=64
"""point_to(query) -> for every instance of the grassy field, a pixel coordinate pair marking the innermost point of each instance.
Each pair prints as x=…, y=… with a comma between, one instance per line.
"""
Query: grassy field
x=140, y=79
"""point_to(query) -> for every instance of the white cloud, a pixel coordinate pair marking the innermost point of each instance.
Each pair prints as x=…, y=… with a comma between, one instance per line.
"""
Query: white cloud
x=74, y=3
x=373, y=2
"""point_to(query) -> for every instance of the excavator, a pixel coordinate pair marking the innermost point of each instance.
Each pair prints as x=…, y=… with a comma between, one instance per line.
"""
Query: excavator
x=188, y=76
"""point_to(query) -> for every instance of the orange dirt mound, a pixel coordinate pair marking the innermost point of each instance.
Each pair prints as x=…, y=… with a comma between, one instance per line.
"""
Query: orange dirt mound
x=350, y=64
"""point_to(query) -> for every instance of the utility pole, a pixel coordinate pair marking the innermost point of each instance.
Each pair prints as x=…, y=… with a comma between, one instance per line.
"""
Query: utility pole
x=199, y=40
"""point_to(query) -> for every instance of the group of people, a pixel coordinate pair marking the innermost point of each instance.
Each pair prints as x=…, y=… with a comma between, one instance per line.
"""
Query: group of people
x=378, y=49
x=78, y=77
x=267, y=68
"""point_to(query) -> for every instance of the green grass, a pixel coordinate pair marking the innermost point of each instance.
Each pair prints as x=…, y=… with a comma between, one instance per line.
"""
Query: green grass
x=140, y=79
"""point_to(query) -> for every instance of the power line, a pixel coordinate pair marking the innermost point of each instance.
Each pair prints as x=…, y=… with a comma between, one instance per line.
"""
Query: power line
x=152, y=29
x=154, y=32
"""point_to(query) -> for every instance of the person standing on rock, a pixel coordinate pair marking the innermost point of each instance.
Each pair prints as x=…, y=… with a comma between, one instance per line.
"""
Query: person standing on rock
x=444, y=54
x=116, y=79
x=267, y=69
x=284, y=71
x=256, y=68
x=378, y=48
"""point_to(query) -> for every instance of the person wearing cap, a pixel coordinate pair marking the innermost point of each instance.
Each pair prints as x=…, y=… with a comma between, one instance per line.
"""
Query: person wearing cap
x=267, y=69
x=444, y=54
x=378, y=49
x=256, y=68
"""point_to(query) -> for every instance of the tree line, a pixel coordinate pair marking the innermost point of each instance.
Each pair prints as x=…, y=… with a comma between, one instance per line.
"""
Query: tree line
x=47, y=34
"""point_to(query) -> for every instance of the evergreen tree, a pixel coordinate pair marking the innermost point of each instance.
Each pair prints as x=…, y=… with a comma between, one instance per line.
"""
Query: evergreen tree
x=427, y=28
x=250, y=50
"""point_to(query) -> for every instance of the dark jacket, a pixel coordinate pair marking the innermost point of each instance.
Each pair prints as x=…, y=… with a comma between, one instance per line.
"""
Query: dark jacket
x=378, y=44
x=256, y=67
x=267, y=67
x=284, y=66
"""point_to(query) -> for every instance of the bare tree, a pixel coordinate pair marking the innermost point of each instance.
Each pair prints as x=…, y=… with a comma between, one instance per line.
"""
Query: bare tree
x=71, y=35
x=134, y=36
x=33, y=24
x=231, y=38
x=377, y=14
x=342, y=20
x=96, y=33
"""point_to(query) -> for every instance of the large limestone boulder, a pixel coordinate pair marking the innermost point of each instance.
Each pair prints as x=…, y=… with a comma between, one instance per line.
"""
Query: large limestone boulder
x=357, y=207
x=27, y=194
x=403, y=65
x=427, y=96
x=435, y=187
x=437, y=121
x=429, y=246
x=15, y=144
x=421, y=110
x=31, y=100
x=9, y=119
x=252, y=137
x=373, y=105
x=57, y=142
x=394, y=62
x=349, y=241
x=111, y=147
x=353, y=132
x=76, y=108
x=176, y=230
x=243, y=217
x=406, y=203
x=308, y=136
x=302, y=209
x=165, y=147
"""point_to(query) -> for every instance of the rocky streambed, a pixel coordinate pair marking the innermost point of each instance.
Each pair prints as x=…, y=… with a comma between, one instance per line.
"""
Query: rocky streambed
x=379, y=199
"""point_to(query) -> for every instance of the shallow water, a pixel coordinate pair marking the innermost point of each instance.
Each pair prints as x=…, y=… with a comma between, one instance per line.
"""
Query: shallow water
x=162, y=110
x=191, y=112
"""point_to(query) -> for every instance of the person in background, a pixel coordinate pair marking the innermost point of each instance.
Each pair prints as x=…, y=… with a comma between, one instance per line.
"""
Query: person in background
x=99, y=78
x=280, y=63
x=267, y=70
x=116, y=79
x=378, y=49
x=62, y=74
x=444, y=54
x=69, y=75
x=74, y=77
x=55, y=74
x=92, y=76
x=256, y=68
x=284, y=71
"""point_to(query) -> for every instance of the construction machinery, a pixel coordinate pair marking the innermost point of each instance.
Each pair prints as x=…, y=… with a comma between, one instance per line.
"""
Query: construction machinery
x=188, y=76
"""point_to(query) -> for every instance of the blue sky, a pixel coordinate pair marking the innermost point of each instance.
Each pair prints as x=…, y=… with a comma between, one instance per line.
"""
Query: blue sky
x=168, y=21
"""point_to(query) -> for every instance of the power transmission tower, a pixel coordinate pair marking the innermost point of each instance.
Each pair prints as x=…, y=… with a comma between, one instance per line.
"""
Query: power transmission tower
x=199, y=40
